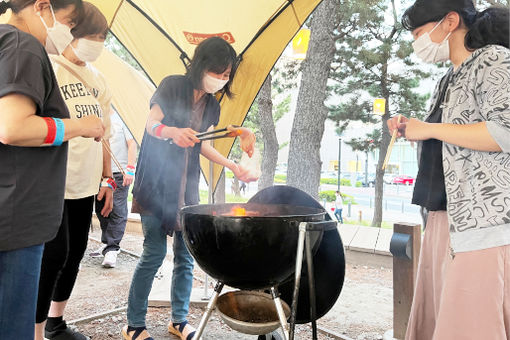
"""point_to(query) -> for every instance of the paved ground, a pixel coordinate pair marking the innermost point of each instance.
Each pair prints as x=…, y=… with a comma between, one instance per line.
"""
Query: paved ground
x=363, y=311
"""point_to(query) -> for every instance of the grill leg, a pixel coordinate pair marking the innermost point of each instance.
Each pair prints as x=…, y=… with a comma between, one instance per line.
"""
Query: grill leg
x=208, y=310
x=311, y=285
x=281, y=312
x=297, y=278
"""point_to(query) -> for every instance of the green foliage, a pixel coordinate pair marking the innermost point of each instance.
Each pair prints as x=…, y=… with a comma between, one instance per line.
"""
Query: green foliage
x=358, y=184
x=280, y=178
x=116, y=47
x=334, y=181
x=329, y=196
x=229, y=198
x=366, y=144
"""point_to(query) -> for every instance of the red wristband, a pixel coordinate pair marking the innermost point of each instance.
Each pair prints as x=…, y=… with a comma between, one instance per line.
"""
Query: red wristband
x=159, y=130
x=52, y=131
x=111, y=181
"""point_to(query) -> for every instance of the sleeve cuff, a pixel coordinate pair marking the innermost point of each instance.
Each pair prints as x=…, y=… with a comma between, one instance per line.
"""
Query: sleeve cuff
x=24, y=90
x=500, y=135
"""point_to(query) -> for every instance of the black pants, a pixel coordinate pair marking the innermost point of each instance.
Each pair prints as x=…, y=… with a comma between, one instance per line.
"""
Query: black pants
x=62, y=255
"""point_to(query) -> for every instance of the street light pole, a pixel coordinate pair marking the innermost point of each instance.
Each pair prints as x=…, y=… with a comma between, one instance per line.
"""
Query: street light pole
x=339, y=161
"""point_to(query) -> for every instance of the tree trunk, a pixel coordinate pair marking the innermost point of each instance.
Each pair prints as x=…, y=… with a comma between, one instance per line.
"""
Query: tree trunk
x=267, y=128
x=236, y=187
x=219, y=194
x=304, y=163
x=385, y=141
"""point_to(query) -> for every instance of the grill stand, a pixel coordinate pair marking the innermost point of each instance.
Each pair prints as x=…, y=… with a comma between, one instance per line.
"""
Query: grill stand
x=304, y=244
x=304, y=249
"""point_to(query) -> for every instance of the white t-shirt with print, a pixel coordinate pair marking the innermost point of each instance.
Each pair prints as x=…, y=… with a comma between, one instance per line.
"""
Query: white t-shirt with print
x=85, y=157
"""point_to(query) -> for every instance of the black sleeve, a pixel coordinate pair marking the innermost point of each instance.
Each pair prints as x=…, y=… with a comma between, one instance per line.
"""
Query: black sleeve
x=164, y=93
x=25, y=73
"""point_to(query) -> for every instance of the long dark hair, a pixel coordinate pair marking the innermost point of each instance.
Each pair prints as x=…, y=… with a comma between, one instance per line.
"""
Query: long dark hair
x=213, y=55
x=17, y=5
x=484, y=28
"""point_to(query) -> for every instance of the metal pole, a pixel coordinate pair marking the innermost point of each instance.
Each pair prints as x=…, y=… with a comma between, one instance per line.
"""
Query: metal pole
x=297, y=278
x=280, y=312
x=311, y=284
x=210, y=201
x=339, y=161
x=366, y=169
x=208, y=310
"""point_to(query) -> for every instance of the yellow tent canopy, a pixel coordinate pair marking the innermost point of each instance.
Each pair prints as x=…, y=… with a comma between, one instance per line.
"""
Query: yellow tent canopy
x=161, y=35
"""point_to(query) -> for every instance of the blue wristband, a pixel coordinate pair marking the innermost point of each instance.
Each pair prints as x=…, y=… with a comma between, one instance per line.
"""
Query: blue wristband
x=59, y=137
x=155, y=126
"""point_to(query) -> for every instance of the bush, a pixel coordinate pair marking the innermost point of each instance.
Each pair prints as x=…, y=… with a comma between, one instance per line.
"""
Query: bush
x=280, y=179
x=334, y=181
x=358, y=184
x=329, y=196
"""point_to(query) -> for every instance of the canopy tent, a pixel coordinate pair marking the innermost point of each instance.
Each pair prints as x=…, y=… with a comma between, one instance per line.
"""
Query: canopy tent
x=162, y=35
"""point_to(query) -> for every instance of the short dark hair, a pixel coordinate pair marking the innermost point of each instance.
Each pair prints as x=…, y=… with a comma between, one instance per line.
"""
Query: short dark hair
x=212, y=55
x=484, y=28
x=90, y=22
x=17, y=5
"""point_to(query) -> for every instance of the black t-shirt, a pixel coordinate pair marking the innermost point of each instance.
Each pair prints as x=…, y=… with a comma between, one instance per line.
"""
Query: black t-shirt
x=32, y=179
x=161, y=164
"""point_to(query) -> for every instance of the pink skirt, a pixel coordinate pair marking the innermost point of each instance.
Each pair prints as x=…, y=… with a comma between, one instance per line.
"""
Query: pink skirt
x=467, y=297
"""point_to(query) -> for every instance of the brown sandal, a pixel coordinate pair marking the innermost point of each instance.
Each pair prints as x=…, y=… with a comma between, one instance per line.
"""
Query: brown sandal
x=183, y=330
x=135, y=334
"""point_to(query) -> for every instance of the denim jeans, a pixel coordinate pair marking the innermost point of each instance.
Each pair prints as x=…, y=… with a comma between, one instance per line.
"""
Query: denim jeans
x=19, y=279
x=338, y=214
x=114, y=225
x=154, y=252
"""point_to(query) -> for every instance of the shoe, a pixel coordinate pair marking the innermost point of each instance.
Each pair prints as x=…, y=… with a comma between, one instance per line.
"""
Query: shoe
x=62, y=332
x=140, y=333
x=98, y=252
x=183, y=330
x=110, y=259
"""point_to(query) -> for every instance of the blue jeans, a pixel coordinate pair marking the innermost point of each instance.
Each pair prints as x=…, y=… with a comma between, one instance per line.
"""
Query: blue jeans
x=338, y=214
x=154, y=252
x=19, y=279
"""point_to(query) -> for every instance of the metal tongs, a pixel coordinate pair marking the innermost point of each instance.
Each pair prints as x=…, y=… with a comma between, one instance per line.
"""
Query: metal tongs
x=210, y=135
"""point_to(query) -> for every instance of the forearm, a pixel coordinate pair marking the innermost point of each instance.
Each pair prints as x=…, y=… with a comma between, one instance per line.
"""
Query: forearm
x=471, y=136
x=107, y=160
x=31, y=131
x=213, y=155
x=131, y=152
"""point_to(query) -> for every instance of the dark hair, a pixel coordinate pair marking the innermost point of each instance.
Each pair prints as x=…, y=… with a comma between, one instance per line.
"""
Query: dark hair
x=91, y=21
x=484, y=28
x=17, y=5
x=212, y=55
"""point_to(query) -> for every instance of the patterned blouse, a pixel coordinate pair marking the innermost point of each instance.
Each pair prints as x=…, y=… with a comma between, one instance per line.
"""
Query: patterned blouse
x=478, y=183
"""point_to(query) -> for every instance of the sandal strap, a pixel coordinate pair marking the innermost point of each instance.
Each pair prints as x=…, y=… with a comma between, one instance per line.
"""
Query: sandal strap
x=137, y=332
x=181, y=326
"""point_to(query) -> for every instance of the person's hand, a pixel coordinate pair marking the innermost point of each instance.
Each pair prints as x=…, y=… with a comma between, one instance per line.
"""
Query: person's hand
x=247, y=139
x=92, y=127
x=393, y=124
x=184, y=137
x=416, y=130
x=106, y=193
x=243, y=174
x=127, y=180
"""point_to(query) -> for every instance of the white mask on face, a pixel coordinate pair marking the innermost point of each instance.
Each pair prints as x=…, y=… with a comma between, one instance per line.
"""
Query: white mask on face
x=429, y=51
x=59, y=36
x=211, y=84
x=88, y=50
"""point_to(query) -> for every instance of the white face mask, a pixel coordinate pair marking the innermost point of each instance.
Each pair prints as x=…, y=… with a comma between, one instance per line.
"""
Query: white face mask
x=429, y=51
x=59, y=36
x=88, y=50
x=211, y=84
